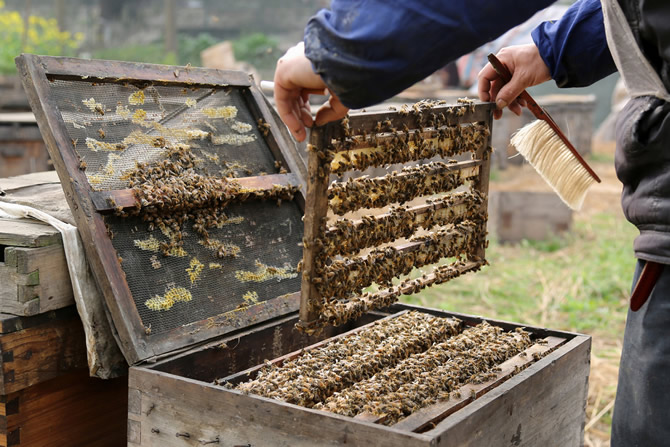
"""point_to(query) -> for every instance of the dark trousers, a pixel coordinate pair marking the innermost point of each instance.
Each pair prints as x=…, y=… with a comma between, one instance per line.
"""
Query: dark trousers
x=642, y=407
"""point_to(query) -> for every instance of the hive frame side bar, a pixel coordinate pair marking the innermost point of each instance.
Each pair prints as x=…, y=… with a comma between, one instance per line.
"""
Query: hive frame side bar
x=316, y=201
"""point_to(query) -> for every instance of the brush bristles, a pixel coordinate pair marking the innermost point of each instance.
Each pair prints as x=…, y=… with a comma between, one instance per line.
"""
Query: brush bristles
x=551, y=158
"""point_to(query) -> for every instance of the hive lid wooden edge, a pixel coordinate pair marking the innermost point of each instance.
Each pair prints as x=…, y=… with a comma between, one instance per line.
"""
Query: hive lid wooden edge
x=136, y=341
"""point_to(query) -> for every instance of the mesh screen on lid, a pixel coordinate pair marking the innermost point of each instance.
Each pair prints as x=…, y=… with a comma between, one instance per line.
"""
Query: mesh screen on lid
x=252, y=253
x=114, y=125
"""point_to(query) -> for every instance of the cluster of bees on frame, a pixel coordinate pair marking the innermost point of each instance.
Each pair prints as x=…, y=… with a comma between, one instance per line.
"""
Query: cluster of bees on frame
x=170, y=192
x=337, y=274
x=374, y=371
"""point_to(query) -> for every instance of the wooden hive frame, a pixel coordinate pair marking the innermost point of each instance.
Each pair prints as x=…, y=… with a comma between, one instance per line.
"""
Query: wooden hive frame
x=382, y=138
x=89, y=206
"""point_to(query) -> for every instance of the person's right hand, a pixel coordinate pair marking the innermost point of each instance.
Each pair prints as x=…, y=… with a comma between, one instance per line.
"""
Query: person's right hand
x=294, y=81
x=527, y=68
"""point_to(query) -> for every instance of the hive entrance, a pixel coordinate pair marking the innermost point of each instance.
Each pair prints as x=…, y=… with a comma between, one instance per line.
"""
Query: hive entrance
x=431, y=213
x=186, y=195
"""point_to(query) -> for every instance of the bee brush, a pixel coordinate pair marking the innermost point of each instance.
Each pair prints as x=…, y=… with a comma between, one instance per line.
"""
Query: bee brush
x=547, y=149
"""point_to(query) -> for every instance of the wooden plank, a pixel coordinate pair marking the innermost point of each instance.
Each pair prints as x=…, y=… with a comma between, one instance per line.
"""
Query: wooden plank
x=72, y=410
x=48, y=349
x=126, y=199
x=36, y=280
x=87, y=70
x=429, y=417
x=316, y=208
x=250, y=373
x=178, y=411
x=28, y=233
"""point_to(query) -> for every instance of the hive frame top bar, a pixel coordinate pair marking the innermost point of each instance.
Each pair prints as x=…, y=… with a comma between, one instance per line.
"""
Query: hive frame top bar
x=135, y=340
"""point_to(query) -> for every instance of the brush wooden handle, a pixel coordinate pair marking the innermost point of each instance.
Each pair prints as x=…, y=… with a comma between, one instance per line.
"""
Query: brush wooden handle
x=540, y=113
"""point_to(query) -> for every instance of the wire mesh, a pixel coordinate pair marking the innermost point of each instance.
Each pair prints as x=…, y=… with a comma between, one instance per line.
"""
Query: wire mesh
x=115, y=126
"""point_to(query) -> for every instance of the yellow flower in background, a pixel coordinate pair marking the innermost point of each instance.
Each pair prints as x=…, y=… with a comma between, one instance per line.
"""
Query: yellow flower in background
x=43, y=37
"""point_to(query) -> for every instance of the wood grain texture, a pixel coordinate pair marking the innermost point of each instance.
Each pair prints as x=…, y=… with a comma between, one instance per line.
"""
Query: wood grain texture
x=51, y=348
x=36, y=280
x=86, y=70
x=72, y=410
x=180, y=412
x=27, y=233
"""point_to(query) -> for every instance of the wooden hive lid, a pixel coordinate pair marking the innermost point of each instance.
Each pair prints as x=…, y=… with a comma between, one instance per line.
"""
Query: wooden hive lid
x=99, y=119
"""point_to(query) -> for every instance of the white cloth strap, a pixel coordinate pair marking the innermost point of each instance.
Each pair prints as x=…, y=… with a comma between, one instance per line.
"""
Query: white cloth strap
x=86, y=294
x=638, y=75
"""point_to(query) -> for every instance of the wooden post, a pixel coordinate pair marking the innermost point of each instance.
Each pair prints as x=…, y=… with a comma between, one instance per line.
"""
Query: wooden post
x=170, y=26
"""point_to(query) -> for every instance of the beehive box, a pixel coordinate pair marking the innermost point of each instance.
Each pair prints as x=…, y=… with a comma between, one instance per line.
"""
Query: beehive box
x=177, y=403
x=183, y=326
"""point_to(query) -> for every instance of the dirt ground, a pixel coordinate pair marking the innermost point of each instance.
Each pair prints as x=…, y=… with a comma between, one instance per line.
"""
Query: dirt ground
x=602, y=198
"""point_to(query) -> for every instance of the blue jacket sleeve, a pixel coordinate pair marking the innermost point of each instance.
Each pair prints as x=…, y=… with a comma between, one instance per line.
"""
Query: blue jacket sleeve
x=575, y=47
x=369, y=50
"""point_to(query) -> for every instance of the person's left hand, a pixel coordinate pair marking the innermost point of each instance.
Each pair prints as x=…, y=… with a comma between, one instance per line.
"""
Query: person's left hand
x=294, y=81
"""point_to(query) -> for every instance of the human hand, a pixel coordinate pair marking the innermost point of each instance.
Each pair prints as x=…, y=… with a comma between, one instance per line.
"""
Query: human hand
x=527, y=68
x=294, y=81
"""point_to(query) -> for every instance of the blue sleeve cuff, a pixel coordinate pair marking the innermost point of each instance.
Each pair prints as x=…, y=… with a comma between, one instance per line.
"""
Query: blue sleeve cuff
x=575, y=47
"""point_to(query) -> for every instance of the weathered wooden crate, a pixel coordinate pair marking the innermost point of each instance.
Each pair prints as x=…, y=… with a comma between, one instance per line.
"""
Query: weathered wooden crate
x=175, y=403
x=46, y=396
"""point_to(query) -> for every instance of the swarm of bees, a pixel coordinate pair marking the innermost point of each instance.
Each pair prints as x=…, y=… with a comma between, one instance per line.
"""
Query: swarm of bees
x=391, y=368
x=395, y=392
x=381, y=265
x=345, y=236
x=315, y=375
x=338, y=312
x=455, y=222
x=170, y=192
x=410, y=183
x=360, y=152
